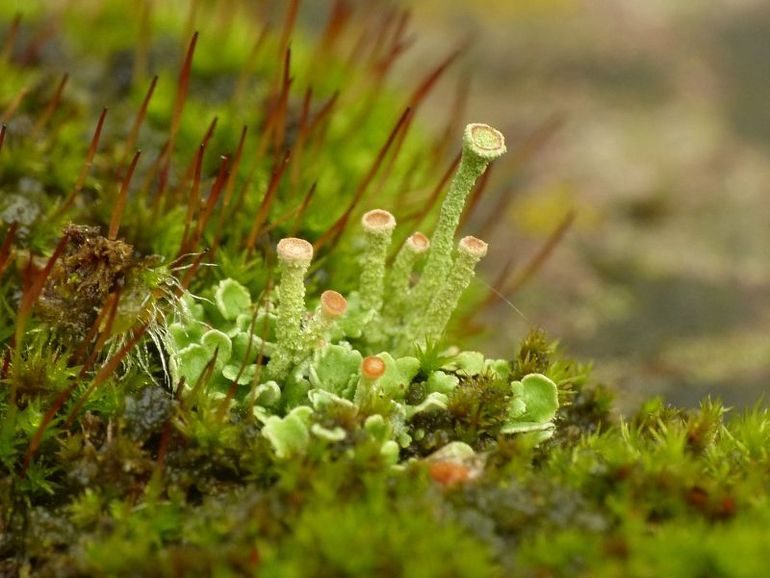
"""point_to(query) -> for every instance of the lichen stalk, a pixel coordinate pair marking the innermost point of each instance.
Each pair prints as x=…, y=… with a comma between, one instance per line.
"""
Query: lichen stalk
x=372, y=368
x=378, y=228
x=399, y=277
x=470, y=251
x=294, y=257
x=331, y=307
x=481, y=145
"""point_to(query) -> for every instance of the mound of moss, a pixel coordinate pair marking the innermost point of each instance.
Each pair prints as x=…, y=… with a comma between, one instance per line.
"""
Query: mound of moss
x=182, y=394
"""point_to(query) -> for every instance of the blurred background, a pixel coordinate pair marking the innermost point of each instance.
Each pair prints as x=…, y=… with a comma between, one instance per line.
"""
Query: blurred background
x=651, y=120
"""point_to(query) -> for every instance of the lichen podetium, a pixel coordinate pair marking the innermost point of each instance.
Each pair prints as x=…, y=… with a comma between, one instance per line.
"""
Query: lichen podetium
x=481, y=145
x=294, y=256
x=470, y=251
x=378, y=228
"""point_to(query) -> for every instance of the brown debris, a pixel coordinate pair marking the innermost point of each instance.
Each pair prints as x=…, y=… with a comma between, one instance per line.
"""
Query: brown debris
x=89, y=270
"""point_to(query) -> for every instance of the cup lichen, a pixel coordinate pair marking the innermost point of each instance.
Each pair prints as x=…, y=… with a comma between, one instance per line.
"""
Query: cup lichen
x=481, y=145
x=378, y=226
x=294, y=257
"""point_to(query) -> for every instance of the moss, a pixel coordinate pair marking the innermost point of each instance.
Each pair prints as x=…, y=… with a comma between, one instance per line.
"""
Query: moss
x=90, y=269
x=534, y=355
x=478, y=409
x=372, y=537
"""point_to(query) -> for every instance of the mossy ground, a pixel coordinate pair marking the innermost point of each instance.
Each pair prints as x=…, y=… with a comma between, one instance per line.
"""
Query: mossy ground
x=107, y=470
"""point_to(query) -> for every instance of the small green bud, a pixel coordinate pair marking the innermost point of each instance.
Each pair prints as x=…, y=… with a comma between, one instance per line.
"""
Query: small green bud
x=377, y=427
x=390, y=451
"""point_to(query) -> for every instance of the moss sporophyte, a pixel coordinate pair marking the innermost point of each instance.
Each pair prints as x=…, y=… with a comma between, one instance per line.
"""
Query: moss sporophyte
x=358, y=352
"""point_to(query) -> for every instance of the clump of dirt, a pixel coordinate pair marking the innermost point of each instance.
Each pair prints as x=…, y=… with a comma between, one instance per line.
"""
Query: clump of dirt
x=91, y=268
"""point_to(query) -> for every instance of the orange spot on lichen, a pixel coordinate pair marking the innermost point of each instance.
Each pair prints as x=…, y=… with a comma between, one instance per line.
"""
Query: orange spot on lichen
x=372, y=367
x=333, y=304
